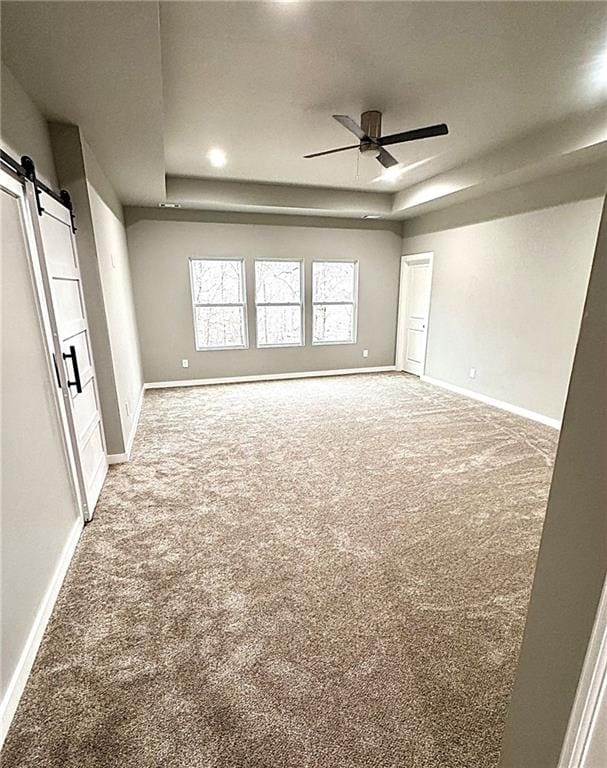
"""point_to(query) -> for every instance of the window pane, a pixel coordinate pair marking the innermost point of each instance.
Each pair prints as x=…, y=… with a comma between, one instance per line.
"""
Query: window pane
x=277, y=282
x=333, y=281
x=278, y=325
x=220, y=327
x=217, y=282
x=333, y=322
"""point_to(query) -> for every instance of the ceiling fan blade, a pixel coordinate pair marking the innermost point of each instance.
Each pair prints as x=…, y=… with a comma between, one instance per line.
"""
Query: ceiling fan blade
x=386, y=159
x=418, y=133
x=332, y=151
x=353, y=127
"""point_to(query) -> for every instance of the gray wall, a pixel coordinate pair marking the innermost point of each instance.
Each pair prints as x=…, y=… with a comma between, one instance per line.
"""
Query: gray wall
x=69, y=157
x=507, y=299
x=38, y=508
x=104, y=264
x=160, y=245
x=114, y=268
x=24, y=129
x=572, y=560
x=38, y=517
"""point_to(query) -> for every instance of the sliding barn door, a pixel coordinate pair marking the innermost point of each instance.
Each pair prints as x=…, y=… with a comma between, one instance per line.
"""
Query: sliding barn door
x=73, y=359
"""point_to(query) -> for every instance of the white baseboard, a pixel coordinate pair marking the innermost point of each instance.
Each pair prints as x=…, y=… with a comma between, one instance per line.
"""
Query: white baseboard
x=266, y=377
x=526, y=414
x=32, y=644
x=119, y=458
x=135, y=423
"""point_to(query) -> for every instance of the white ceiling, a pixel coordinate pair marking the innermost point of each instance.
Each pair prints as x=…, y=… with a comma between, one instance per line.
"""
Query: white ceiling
x=262, y=80
x=155, y=87
x=96, y=65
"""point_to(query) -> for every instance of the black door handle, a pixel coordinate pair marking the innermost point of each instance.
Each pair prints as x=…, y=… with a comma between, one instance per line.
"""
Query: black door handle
x=76, y=383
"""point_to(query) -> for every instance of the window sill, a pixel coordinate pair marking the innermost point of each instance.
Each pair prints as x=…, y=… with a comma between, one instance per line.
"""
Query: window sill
x=219, y=349
x=280, y=346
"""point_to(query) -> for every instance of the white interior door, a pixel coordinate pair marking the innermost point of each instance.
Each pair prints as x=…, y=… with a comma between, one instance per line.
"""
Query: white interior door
x=62, y=286
x=414, y=308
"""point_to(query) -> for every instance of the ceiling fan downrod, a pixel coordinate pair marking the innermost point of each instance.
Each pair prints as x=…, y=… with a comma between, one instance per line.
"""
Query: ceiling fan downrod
x=370, y=122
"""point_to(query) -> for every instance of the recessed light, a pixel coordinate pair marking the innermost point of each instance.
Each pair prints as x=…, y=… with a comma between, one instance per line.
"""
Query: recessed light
x=217, y=157
x=372, y=216
x=169, y=205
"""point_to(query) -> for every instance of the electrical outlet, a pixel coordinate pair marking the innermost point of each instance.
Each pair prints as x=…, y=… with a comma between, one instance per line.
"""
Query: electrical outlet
x=473, y=373
x=185, y=363
x=365, y=353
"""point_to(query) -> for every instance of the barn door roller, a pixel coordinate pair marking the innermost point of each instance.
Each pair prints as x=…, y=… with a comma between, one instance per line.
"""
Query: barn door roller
x=27, y=170
x=30, y=173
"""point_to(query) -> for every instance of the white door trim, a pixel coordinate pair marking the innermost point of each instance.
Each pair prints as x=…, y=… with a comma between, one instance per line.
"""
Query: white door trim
x=584, y=720
x=401, y=324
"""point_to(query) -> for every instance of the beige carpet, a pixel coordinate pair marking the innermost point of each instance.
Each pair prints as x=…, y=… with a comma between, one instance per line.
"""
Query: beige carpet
x=325, y=573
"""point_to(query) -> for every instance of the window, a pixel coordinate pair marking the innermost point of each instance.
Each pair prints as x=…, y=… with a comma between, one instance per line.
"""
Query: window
x=278, y=303
x=334, y=295
x=218, y=298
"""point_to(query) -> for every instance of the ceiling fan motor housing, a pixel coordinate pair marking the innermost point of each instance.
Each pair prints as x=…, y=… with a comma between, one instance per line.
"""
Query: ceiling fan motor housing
x=370, y=122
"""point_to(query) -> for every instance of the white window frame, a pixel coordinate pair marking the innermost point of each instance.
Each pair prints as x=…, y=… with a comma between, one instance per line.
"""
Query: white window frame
x=353, y=303
x=242, y=304
x=300, y=304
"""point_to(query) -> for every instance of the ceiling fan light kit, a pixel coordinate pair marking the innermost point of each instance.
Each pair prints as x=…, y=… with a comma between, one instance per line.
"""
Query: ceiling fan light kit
x=370, y=139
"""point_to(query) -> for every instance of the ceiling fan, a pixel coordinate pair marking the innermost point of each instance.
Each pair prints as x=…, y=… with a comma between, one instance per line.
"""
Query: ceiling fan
x=370, y=139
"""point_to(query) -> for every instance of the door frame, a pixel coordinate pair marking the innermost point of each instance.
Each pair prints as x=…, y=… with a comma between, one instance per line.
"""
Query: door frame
x=583, y=723
x=406, y=261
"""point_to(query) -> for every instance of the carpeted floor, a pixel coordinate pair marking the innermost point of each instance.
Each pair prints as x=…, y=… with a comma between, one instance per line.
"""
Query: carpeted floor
x=324, y=573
